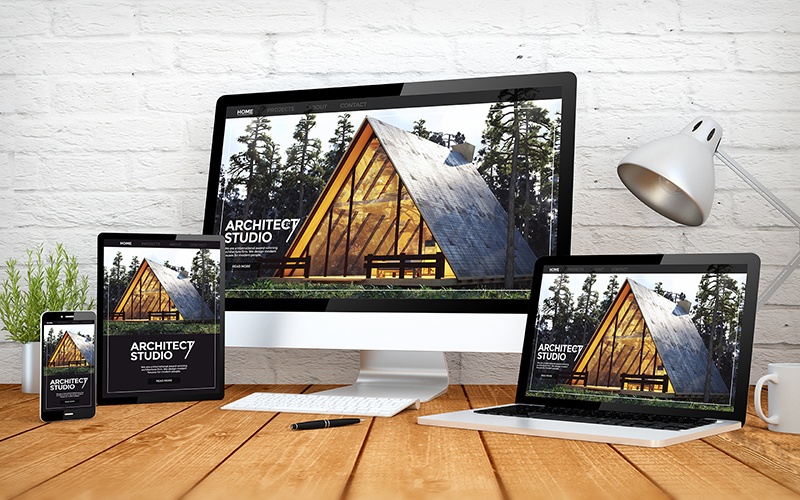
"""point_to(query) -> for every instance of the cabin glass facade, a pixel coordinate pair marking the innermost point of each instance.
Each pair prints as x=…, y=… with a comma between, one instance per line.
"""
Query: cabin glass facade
x=146, y=299
x=371, y=213
x=622, y=354
x=67, y=354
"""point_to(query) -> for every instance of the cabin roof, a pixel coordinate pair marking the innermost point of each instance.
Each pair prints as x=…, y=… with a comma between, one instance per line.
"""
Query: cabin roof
x=461, y=211
x=678, y=343
x=84, y=346
x=187, y=300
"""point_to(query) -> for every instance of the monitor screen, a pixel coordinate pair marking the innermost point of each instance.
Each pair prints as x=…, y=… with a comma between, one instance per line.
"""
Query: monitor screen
x=664, y=335
x=434, y=196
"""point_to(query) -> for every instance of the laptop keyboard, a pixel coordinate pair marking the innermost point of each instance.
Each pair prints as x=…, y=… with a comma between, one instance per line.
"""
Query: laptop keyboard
x=649, y=421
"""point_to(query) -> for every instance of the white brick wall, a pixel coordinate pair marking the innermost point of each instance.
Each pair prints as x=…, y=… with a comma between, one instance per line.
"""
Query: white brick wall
x=105, y=118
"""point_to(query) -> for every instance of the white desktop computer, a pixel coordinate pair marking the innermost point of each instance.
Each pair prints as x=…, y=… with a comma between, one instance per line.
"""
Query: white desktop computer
x=400, y=220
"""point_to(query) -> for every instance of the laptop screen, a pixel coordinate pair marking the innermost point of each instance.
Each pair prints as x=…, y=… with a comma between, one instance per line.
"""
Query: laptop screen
x=658, y=335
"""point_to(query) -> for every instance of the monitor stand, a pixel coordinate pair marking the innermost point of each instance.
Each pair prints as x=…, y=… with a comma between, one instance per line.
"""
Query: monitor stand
x=399, y=374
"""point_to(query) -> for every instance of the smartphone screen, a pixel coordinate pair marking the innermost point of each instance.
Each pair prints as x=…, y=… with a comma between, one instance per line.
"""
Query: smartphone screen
x=68, y=365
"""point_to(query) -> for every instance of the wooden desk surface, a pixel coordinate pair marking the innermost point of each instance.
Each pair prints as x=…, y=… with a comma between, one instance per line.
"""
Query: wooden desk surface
x=195, y=450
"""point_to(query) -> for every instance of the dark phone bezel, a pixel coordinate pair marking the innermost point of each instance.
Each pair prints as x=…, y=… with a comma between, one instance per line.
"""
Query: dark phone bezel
x=76, y=413
x=104, y=398
x=752, y=263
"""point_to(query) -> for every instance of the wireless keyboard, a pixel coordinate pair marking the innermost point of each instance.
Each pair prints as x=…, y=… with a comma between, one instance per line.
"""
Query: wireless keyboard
x=323, y=404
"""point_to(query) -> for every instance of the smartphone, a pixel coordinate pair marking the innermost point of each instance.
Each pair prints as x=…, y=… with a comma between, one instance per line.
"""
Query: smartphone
x=68, y=365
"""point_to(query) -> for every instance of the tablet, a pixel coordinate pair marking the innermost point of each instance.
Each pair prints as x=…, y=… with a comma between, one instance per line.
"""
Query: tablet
x=160, y=313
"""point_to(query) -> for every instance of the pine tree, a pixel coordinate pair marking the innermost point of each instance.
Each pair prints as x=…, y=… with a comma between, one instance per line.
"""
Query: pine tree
x=303, y=166
x=420, y=130
x=117, y=283
x=557, y=309
x=133, y=268
x=339, y=143
x=586, y=309
x=717, y=315
x=204, y=278
x=516, y=162
x=255, y=161
x=610, y=294
x=50, y=344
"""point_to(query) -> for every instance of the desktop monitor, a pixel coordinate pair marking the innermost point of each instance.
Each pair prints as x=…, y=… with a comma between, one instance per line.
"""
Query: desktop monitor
x=401, y=220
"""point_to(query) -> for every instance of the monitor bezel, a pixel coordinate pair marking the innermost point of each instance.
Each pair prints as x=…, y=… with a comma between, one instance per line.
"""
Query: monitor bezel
x=564, y=81
x=751, y=261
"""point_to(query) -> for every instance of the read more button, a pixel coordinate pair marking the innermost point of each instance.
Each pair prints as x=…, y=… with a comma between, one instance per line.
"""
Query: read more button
x=164, y=380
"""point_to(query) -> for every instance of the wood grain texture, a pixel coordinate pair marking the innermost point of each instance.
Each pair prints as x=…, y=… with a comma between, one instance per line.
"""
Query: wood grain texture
x=19, y=412
x=278, y=462
x=557, y=468
x=165, y=460
x=774, y=454
x=195, y=450
x=45, y=452
x=402, y=459
x=698, y=470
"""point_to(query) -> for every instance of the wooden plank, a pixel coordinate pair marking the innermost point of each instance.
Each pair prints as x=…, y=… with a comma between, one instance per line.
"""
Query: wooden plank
x=19, y=411
x=556, y=468
x=280, y=463
x=404, y=460
x=45, y=452
x=166, y=460
x=699, y=470
x=774, y=454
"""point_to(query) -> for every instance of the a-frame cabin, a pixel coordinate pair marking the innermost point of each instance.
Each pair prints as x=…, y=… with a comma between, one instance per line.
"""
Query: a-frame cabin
x=395, y=197
x=72, y=350
x=646, y=343
x=158, y=293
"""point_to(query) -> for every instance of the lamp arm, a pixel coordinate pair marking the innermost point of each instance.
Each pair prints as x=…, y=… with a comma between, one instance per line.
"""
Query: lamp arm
x=780, y=207
x=759, y=188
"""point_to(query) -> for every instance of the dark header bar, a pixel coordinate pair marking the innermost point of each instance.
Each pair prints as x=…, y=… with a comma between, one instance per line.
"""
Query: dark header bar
x=655, y=268
x=409, y=101
x=161, y=243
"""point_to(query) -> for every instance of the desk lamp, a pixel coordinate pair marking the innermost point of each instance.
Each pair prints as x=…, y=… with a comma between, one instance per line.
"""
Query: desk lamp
x=675, y=177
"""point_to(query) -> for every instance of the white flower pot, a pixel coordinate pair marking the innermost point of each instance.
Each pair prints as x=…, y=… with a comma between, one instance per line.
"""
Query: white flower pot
x=31, y=371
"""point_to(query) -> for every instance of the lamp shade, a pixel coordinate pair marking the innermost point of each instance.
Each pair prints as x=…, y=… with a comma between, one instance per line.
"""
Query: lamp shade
x=675, y=175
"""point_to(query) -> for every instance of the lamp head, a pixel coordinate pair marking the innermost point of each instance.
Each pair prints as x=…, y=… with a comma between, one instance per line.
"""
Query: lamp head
x=675, y=175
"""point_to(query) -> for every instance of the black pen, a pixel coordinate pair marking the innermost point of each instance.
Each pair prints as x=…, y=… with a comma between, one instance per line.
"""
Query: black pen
x=324, y=424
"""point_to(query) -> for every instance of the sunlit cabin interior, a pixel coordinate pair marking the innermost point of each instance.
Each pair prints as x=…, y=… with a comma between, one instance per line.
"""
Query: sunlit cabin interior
x=401, y=207
x=158, y=293
x=646, y=343
x=72, y=350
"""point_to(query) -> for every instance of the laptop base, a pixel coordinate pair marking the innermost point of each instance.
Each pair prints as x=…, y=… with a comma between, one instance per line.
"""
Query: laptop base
x=651, y=438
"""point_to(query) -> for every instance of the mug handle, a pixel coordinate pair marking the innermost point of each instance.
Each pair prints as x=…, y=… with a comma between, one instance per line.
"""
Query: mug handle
x=757, y=398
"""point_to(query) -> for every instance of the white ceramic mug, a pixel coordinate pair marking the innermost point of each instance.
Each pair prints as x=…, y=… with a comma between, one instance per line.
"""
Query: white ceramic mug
x=783, y=397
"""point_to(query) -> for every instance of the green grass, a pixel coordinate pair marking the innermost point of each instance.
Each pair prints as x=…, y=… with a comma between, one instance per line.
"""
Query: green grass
x=265, y=289
x=158, y=328
x=68, y=371
x=564, y=392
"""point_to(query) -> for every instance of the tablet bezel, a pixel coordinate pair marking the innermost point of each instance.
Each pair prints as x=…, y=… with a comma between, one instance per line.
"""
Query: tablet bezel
x=173, y=394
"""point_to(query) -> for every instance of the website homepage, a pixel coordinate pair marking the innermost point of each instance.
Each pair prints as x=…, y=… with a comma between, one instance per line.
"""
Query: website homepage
x=642, y=337
x=161, y=316
x=390, y=202
x=68, y=371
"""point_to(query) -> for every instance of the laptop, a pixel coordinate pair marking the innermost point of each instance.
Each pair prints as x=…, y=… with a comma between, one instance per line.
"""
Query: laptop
x=646, y=350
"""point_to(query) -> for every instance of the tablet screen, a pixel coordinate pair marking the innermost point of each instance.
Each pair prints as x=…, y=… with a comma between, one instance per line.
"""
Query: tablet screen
x=160, y=312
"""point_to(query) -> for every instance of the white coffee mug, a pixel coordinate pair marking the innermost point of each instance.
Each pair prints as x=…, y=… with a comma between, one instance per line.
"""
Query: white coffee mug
x=783, y=397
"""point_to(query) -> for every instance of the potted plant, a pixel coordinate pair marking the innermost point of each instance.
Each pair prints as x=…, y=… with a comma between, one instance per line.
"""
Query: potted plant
x=50, y=283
